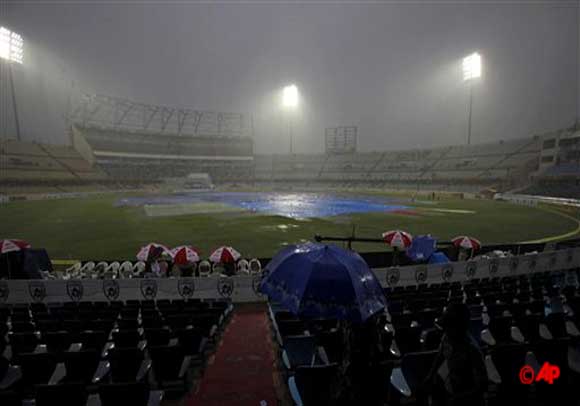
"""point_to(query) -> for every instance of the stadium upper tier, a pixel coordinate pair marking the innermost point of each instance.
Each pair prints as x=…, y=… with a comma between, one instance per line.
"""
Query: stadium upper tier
x=141, y=155
x=109, y=142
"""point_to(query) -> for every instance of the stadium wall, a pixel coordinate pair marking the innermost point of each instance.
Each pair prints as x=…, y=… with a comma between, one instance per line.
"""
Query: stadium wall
x=244, y=288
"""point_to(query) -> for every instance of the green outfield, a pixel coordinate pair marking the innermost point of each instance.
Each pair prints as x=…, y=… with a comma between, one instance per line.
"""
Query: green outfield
x=92, y=228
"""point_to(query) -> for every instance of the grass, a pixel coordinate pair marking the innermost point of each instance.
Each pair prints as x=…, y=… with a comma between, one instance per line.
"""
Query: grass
x=92, y=228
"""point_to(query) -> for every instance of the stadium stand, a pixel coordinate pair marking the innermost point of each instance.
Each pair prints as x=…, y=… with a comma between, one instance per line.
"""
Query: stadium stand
x=559, y=172
x=136, y=351
x=142, y=155
x=31, y=167
x=107, y=158
x=501, y=165
x=514, y=319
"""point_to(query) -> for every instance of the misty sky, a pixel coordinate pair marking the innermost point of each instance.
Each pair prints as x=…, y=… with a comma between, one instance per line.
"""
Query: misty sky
x=392, y=69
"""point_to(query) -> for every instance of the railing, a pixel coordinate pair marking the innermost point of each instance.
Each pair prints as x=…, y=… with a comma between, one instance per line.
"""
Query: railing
x=244, y=288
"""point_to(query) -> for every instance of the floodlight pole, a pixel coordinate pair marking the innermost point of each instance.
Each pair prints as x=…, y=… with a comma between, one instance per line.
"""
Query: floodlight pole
x=291, y=133
x=14, y=105
x=470, y=112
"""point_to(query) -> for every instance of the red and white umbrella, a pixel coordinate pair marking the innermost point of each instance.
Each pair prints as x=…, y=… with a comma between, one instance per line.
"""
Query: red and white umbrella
x=466, y=242
x=398, y=239
x=184, y=254
x=12, y=245
x=152, y=249
x=225, y=255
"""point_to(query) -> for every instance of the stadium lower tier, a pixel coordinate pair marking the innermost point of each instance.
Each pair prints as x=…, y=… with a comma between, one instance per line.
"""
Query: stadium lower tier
x=519, y=324
x=134, y=352
x=141, y=352
x=565, y=188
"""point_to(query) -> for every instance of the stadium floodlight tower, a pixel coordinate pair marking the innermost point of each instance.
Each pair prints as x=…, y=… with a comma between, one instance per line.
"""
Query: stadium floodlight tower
x=11, y=51
x=290, y=100
x=471, y=72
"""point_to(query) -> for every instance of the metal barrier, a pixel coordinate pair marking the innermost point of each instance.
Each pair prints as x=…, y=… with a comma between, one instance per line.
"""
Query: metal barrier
x=244, y=288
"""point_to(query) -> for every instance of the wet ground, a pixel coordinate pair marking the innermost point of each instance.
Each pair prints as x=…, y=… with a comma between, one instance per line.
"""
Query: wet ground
x=293, y=205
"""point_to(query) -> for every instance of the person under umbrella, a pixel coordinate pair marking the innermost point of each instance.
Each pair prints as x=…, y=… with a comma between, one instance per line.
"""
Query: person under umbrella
x=12, y=245
x=151, y=254
x=398, y=240
x=466, y=244
x=315, y=280
x=227, y=256
x=184, y=259
x=458, y=375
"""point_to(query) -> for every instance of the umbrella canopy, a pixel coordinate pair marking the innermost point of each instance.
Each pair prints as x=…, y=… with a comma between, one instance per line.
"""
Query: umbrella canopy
x=398, y=239
x=466, y=242
x=317, y=280
x=152, y=250
x=225, y=255
x=12, y=245
x=184, y=254
x=422, y=248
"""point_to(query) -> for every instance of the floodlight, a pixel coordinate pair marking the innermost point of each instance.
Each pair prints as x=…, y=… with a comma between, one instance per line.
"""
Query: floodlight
x=472, y=66
x=290, y=96
x=11, y=45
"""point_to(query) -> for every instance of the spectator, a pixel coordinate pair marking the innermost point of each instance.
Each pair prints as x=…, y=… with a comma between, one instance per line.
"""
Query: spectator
x=363, y=354
x=152, y=268
x=458, y=375
x=187, y=270
x=229, y=268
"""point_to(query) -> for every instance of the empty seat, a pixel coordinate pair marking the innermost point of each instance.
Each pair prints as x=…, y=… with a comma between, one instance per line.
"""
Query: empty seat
x=192, y=341
x=178, y=321
x=134, y=394
x=36, y=369
x=127, y=324
x=170, y=368
x=61, y=395
x=532, y=327
x=151, y=321
x=315, y=385
x=408, y=339
x=59, y=341
x=10, y=398
x=94, y=340
x=299, y=350
x=48, y=325
x=81, y=366
x=414, y=368
x=126, y=338
x=500, y=328
x=23, y=342
x=508, y=361
x=556, y=323
x=128, y=365
x=23, y=327
x=290, y=328
x=157, y=336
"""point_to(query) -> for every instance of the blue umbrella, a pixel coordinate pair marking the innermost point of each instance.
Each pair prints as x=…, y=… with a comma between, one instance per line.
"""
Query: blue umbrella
x=422, y=248
x=317, y=280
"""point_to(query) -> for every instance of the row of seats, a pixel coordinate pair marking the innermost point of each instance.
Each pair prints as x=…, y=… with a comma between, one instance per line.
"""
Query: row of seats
x=151, y=349
x=516, y=321
x=128, y=269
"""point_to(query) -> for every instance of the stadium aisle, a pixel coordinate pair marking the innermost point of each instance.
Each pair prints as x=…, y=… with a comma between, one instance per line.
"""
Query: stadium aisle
x=242, y=372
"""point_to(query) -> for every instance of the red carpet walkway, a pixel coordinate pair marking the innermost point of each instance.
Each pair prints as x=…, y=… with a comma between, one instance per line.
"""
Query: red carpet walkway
x=242, y=373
